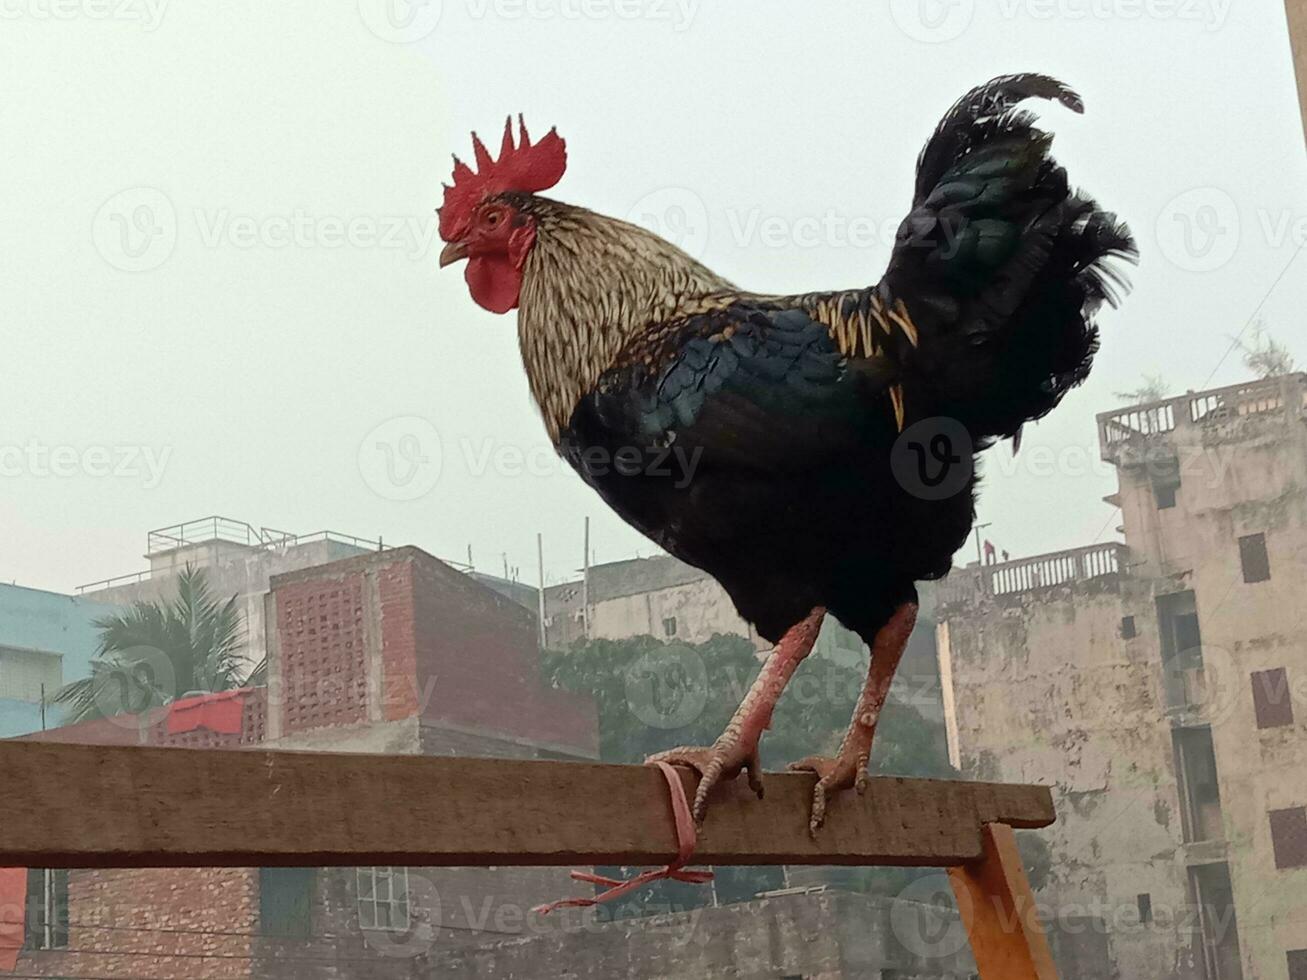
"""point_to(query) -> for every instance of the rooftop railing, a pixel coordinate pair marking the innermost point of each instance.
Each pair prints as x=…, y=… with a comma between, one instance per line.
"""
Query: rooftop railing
x=208, y=530
x=1286, y=395
x=1072, y=567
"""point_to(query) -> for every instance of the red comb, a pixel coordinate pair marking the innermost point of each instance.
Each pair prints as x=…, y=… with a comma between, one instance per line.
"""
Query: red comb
x=526, y=167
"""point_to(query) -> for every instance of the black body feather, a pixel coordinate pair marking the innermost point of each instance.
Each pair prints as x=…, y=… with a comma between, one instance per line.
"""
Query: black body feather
x=758, y=437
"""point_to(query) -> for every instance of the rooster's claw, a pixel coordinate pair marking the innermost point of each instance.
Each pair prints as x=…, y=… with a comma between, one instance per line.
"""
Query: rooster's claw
x=713, y=764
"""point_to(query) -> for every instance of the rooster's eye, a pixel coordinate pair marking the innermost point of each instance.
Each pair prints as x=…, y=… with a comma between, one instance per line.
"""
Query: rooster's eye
x=492, y=218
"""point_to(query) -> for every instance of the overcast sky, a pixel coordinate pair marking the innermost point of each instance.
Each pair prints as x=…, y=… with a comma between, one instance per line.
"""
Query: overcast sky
x=219, y=290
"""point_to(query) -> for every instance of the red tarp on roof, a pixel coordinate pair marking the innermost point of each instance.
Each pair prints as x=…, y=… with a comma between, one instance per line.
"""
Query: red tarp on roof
x=221, y=712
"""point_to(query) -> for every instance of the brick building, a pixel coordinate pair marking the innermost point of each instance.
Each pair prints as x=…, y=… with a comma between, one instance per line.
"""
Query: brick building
x=390, y=652
x=1159, y=685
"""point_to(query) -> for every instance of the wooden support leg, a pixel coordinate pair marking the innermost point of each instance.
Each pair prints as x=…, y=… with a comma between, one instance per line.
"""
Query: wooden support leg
x=998, y=909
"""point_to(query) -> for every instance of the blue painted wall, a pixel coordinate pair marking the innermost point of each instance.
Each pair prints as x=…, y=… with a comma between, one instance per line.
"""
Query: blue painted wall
x=51, y=622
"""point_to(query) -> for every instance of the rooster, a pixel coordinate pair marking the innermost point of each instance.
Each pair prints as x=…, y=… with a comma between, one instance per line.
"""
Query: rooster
x=771, y=440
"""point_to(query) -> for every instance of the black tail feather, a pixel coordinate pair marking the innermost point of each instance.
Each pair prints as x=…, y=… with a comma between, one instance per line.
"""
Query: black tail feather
x=1006, y=262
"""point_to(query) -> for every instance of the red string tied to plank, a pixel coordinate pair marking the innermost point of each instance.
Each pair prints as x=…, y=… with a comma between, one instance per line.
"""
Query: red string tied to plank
x=686, y=840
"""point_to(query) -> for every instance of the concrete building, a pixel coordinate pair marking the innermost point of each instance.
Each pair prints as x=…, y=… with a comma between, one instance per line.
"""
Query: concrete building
x=46, y=640
x=387, y=652
x=803, y=934
x=239, y=559
x=665, y=598
x=1161, y=686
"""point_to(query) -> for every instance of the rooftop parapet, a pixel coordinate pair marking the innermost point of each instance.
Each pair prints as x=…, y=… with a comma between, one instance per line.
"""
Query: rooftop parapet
x=1097, y=563
x=1126, y=435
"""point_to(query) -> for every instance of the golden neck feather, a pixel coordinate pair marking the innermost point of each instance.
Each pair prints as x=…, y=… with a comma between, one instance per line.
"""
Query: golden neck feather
x=591, y=284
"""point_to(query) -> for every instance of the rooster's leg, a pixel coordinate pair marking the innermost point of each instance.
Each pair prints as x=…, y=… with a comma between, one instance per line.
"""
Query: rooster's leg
x=849, y=768
x=736, y=748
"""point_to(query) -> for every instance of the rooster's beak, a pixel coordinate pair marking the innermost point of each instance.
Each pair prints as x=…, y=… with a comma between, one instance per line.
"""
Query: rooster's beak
x=452, y=253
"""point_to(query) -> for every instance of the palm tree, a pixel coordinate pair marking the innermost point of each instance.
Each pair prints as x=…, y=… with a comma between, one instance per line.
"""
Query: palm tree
x=155, y=652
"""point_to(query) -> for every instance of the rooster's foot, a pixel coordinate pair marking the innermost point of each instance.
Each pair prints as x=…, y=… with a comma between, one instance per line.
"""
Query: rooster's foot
x=715, y=763
x=847, y=771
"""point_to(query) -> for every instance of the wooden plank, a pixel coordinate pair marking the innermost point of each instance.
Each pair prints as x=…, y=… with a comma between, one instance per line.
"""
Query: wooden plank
x=114, y=806
x=998, y=909
x=1297, y=11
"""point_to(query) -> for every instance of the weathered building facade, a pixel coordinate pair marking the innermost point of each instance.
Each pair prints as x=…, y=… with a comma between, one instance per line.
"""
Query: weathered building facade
x=669, y=600
x=1161, y=686
x=388, y=652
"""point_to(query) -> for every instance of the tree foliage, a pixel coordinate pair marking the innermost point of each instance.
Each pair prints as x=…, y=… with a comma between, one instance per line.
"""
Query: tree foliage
x=155, y=652
x=1263, y=355
x=1152, y=388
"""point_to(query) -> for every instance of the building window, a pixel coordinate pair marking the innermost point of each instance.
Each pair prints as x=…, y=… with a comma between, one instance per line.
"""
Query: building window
x=1128, y=630
x=1145, y=903
x=1297, y=964
x=29, y=675
x=1182, y=650
x=669, y=626
x=286, y=902
x=1271, y=699
x=1209, y=887
x=1254, y=559
x=383, y=898
x=1200, y=794
x=1289, y=837
x=47, y=906
x=1164, y=474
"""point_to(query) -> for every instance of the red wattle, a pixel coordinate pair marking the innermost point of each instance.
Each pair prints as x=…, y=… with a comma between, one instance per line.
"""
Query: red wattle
x=494, y=281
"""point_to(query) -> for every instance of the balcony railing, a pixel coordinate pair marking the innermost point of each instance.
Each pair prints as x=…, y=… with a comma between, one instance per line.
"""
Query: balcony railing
x=1285, y=395
x=1072, y=567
